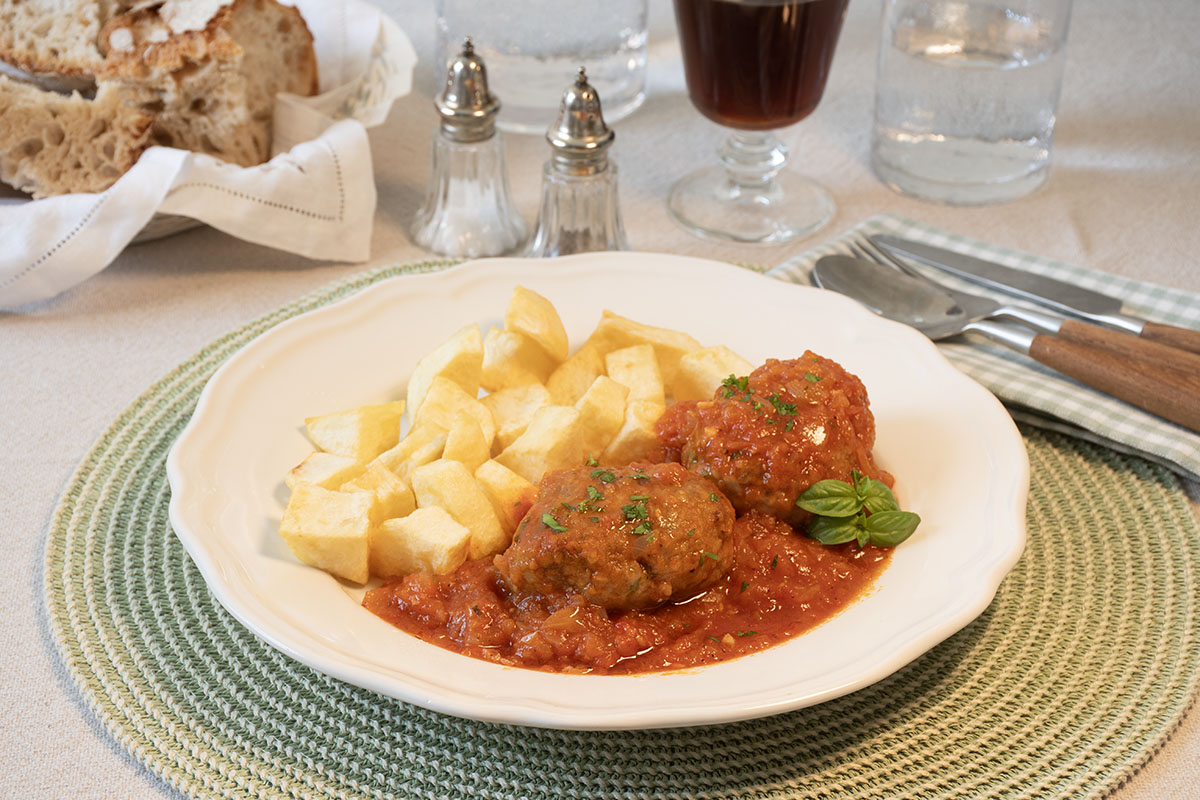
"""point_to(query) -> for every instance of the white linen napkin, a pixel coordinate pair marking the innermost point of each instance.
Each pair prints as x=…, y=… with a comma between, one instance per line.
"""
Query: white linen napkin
x=315, y=197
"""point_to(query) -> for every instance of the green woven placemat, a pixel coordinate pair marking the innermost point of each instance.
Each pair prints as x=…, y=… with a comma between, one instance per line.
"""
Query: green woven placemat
x=1071, y=679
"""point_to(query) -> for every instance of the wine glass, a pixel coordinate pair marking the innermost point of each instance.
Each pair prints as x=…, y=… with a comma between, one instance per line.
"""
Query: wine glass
x=754, y=66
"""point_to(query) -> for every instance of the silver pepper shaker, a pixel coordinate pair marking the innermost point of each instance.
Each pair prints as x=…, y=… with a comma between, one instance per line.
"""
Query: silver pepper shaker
x=579, y=210
x=468, y=209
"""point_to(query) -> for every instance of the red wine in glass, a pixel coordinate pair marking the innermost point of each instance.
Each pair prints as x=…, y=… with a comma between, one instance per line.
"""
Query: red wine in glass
x=754, y=66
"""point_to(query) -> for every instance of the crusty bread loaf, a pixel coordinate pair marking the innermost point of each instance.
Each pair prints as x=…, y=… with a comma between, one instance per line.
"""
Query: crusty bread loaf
x=204, y=74
x=67, y=142
x=53, y=36
x=216, y=85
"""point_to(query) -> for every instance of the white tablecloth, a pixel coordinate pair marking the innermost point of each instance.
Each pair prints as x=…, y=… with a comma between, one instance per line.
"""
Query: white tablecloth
x=1122, y=197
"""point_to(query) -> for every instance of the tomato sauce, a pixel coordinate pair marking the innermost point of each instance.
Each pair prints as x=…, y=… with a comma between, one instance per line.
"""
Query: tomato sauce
x=780, y=585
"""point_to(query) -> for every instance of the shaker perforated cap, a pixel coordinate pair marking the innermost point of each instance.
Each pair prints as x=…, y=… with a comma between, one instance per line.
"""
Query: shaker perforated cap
x=579, y=137
x=468, y=109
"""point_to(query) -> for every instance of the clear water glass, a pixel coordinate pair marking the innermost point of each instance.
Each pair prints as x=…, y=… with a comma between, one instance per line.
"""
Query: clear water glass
x=534, y=47
x=966, y=97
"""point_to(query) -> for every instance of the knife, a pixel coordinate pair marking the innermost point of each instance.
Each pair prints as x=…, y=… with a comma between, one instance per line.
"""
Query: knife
x=1066, y=297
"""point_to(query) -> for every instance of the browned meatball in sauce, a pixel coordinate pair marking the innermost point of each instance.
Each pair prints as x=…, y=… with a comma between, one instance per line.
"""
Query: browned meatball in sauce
x=623, y=538
x=764, y=439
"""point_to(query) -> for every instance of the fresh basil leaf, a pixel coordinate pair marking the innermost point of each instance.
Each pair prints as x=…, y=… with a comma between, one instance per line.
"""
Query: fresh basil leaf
x=890, y=528
x=830, y=498
x=835, y=530
x=878, y=497
x=859, y=482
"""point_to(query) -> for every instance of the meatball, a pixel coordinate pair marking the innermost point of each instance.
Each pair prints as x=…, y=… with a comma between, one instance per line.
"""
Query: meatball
x=623, y=538
x=765, y=438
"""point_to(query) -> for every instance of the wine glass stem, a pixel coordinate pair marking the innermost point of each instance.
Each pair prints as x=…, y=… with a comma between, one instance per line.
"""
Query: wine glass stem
x=752, y=159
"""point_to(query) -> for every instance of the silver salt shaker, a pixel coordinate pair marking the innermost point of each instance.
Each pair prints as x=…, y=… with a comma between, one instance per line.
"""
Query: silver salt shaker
x=468, y=209
x=579, y=210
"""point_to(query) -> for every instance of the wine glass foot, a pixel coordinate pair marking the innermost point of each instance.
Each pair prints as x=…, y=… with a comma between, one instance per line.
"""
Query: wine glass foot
x=789, y=206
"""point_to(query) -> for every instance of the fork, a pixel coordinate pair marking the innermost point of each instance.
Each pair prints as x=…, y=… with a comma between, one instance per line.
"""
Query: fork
x=1124, y=344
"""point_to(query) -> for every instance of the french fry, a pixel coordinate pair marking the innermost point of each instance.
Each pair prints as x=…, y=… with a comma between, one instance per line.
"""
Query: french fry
x=602, y=413
x=329, y=530
x=323, y=469
x=427, y=539
x=445, y=400
x=573, y=377
x=552, y=441
x=393, y=497
x=465, y=443
x=511, y=495
x=701, y=372
x=615, y=332
x=360, y=433
x=423, y=444
x=449, y=485
x=512, y=409
x=458, y=359
x=510, y=358
x=637, y=368
x=534, y=316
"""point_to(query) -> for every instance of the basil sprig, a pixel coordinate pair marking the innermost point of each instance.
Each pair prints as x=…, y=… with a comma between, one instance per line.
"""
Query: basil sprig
x=863, y=510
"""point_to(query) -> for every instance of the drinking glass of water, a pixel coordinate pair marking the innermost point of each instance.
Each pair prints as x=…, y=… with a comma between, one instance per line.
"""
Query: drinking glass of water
x=533, y=48
x=966, y=96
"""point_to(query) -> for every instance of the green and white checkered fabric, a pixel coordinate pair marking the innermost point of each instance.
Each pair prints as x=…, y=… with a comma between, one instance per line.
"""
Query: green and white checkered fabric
x=1033, y=393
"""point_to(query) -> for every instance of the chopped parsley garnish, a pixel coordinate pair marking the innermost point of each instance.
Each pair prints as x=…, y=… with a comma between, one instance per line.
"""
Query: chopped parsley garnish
x=746, y=633
x=712, y=496
x=811, y=378
x=692, y=532
x=636, y=510
x=639, y=497
x=567, y=506
x=604, y=475
x=591, y=461
x=774, y=562
x=642, y=528
x=745, y=586
x=715, y=639
x=713, y=556
x=733, y=385
x=550, y=522
x=594, y=519
x=791, y=423
x=594, y=494
x=786, y=409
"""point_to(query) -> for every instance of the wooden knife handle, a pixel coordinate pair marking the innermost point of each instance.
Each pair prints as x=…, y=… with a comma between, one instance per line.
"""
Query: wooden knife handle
x=1183, y=338
x=1172, y=395
x=1143, y=348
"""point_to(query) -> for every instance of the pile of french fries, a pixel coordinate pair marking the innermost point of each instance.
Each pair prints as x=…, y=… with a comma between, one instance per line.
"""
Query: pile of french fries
x=488, y=416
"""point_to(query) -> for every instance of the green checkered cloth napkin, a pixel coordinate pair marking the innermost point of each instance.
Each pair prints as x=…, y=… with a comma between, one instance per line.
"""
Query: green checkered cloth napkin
x=1033, y=393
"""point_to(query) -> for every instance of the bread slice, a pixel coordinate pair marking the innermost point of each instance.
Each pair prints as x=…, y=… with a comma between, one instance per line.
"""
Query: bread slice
x=214, y=87
x=199, y=75
x=52, y=143
x=52, y=36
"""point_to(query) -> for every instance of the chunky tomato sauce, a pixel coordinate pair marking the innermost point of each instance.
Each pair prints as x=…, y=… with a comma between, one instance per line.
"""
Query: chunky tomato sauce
x=780, y=585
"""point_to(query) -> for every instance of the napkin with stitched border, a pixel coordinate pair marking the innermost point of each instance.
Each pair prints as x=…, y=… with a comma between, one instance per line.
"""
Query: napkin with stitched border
x=1033, y=393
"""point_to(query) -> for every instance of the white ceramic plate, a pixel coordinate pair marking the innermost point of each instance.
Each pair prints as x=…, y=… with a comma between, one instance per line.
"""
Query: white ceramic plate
x=958, y=460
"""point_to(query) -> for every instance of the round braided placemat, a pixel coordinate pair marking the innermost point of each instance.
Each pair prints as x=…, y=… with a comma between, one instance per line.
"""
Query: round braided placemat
x=1067, y=683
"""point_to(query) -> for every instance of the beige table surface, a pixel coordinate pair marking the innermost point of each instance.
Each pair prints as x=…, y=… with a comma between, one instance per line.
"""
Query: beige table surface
x=1123, y=196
